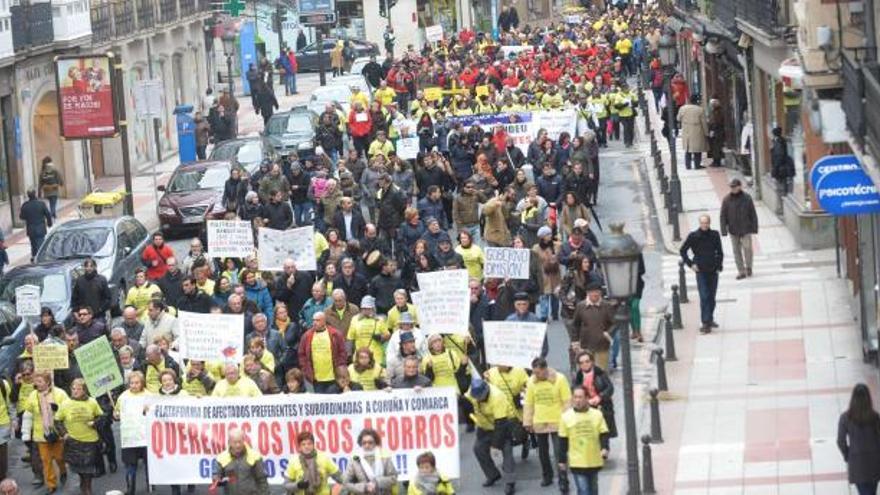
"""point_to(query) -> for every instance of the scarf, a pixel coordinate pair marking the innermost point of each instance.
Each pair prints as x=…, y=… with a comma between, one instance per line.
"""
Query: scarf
x=588, y=383
x=310, y=472
x=281, y=325
x=373, y=469
x=46, y=415
x=427, y=483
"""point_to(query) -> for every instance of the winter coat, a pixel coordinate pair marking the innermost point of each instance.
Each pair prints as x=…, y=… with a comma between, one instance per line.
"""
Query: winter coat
x=259, y=294
x=50, y=181
x=35, y=215
x=390, y=204
x=203, y=132
x=465, y=210
x=693, y=128
x=781, y=164
x=234, y=192
x=433, y=209
x=93, y=292
x=738, y=215
x=706, y=246
x=495, y=230
x=605, y=389
x=546, y=261
x=408, y=234
x=277, y=215
x=860, y=446
x=590, y=322
x=357, y=224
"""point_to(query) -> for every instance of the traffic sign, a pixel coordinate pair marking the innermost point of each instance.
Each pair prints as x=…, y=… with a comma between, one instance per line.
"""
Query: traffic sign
x=842, y=186
x=234, y=7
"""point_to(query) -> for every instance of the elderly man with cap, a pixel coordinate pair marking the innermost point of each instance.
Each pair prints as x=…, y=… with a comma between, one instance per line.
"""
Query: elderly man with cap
x=368, y=330
x=493, y=415
x=592, y=326
x=406, y=341
x=521, y=312
x=740, y=220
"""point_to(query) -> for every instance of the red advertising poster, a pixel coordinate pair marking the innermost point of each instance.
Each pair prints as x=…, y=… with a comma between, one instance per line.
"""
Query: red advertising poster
x=85, y=97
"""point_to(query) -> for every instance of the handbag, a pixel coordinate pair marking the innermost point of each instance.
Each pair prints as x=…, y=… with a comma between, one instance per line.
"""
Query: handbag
x=518, y=433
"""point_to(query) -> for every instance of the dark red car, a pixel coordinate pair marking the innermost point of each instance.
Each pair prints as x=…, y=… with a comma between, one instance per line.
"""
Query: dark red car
x=194, y=194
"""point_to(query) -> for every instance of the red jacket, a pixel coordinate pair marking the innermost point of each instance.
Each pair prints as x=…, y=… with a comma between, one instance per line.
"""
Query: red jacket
x=155, y=260
x=291, y=57
x=359, y=129
x=337, y=348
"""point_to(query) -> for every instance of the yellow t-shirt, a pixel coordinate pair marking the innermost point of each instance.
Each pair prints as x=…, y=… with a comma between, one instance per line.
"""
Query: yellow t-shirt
x=361, y=332
x=379, y=148
x=152, y=376
x=582, y=429
x=76, y=415
x=326, y=468
x=33, y=406
x=361, y=98
x=623, y=46
x=322, y=357
x=547, y=398
x=140, y=297
x=244, y=387
x=444, y=366
x=394, y=313
x=207, y=287
x=473, y=260
x=367, y=378
x=384, y=96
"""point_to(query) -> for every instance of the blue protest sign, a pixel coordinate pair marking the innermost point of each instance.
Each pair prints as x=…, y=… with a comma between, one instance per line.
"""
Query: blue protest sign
x=842, y=186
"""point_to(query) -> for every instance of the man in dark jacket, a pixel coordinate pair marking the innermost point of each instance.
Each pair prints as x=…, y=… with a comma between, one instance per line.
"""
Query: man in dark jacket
x=348, y=220
x=708, y=261
x=234, y=190
x=267, y=102
x=193, y=299
x=86, y=326
x=37, y=219
x=508, y=19
x=253, y=78
x=92, y=290
x=277, y=212
x=372, y=71
x=170, y=283
x=354, y=284
x=390, y=205
x=739, y=218
x=292, y=287
x=431, y=206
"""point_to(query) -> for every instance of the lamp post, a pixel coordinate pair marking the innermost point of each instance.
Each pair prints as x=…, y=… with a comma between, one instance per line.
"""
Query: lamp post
x=228, y=49
x=619, y=256
x=668, y=50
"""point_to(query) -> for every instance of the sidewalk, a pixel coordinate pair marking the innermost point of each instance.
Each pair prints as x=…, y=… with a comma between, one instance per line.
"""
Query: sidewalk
x=753, y=406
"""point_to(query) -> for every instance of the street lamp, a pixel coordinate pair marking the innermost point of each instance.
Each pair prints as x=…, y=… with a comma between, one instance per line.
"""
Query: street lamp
x=228, y=49
x=668, y=51
x=619, y=257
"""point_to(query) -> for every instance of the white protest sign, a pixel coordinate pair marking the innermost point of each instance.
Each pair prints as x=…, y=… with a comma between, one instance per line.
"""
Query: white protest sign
x=513, y=343
x=211, y=337
x=275, y=246
x=444, y=302
x=185, y=434
x=516, y=49
x=555, y=121
x=573, y=19
x=434, y=33
x=230, y=239
x=27, y=300
x=132, y=422
x=512, y=263
x=408, y=148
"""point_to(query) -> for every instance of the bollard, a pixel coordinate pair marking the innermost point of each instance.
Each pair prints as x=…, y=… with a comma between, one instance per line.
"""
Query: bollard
x=669, y=338
x=673, y=218
x=676, y=309
x=647, y=466
x=682, y=284
x=654, y=150
x=662, y=385
x=656, y=430
x=664, y=191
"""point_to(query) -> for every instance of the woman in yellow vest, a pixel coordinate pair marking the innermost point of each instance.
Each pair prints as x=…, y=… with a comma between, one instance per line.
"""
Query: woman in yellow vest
x=472, y=255
x=308, y=471
x=82, y=445
x=401, y=305
x=141, y=293
x=130, y=456
x=366, y=371
x=41, y=405
x=198, y=382
x=441, y=365
x=368, y=330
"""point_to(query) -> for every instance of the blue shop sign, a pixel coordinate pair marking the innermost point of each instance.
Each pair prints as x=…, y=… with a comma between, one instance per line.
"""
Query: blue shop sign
x=842, y=186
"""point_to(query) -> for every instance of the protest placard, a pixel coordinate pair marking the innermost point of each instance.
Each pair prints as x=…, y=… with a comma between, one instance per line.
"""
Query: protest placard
x=133, y=422
x=27, y=300
x=230, y=239
x=444, y=302
x=98, y=366
x=49, y=356
x=512, y=263
x=275, y=246
x=211, y=337
x=433, y=93
x=434, y=33
x=513, y=343
x=408, y=148
x=516, y=49
x=183, y=434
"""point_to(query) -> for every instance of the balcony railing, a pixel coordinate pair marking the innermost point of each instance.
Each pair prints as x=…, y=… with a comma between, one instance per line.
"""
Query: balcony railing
x=764, y=14
x=724, y=11
x=167, y=11
x=145, y=13
x=102, y=22
x=121, y=18
x=187, y=8
x=31, y=25
x=872, y=108
x=853, y=97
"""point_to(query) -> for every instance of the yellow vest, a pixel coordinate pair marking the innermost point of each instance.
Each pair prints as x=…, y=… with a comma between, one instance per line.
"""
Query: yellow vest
x=496, y=406
x=361, y=332
x=326, y=468
x=250, y=457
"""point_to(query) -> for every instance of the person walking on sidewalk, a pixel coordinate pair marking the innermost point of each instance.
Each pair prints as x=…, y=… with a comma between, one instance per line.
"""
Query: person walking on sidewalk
x=694, y=130
x=707, y=262
x=781, y=164
x=740, y=220
x=858, y=438
x=50, y=183
x=37, y=220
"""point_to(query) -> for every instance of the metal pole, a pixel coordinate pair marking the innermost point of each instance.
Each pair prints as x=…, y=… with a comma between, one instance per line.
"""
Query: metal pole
x=119, y=94
x=656, y=427
x=674, y=182
x=229, y=74
x=155, y=117
x=632, y=441
x=319, y=39
x=682, y=283
x=662, y=383
x=669, y=338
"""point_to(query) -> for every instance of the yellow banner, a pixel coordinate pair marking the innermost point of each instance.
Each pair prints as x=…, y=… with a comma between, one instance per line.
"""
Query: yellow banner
x=50, y=357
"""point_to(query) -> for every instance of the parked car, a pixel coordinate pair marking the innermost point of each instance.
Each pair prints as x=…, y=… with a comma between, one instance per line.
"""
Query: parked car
x=247, y=152
x=352, y=80
x=116, y=244
x=193, y=194
x=323, y=95
x=292, y=131
x=307, y=58
x=357, y=67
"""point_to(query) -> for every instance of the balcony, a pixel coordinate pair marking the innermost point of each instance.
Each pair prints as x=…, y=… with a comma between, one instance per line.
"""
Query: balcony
x=724, y=11
x=167, y=11
x=71, y=20
x=763, y=14
x=123, y=19
x=31, y=25
x=872, y=109
x=853, y=96
x=145, y=14
x=187, y=8
x=102, y=22
x=5, y=35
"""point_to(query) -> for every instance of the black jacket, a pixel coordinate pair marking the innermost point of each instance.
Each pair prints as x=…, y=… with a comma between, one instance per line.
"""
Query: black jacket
x=195, y=303
x=36, y=217
x=355, y=289
x=297, y=294
x=860, y=447
x=605, y=389
x=234, y=192
x=382, y=287
x=278, y=215
x=373, y=72
x=357, y=224
x=93, y=292
x=171, y=286
x=706, y=246
x=738, y=215
x=390, y=206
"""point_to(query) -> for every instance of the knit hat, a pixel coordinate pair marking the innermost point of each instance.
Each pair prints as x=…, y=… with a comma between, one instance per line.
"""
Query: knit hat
x=545, y=231
x=368, y=302
x=406, y=319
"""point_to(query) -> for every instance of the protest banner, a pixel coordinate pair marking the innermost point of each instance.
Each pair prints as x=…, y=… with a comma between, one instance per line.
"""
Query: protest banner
x=133, y=422
x=434, y=33
x=516, y=50
x=408, y=148
x=27, y=300
x=275, y=246
x=513, y=343
x=211, y=337
x=444, y=302
x=509, y=263
x=185, y=435
x=522, y=127
x=98, y=366
x=50, y=357
x=230, y=239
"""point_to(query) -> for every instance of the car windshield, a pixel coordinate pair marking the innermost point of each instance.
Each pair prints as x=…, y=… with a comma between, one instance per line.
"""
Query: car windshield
x=53, y=287
x=339, y=94
x=206, y=178
x=248, y=152
x=298, y=124
x=78, y=243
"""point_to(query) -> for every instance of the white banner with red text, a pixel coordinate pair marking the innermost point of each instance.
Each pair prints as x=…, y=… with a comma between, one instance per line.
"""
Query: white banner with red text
x=184, y=435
